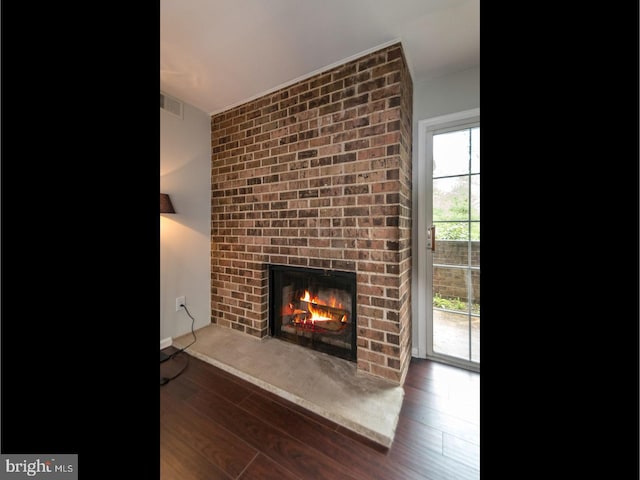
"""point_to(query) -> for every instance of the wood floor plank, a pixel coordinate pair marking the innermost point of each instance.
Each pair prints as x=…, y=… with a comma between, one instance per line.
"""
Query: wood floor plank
x=440, y=375
x=173, y=366
x=185, y=461
x=218, y=445
x=433, y=465
x=180, y=390
x=427, y=385
x=273, y=442
x=418, y=434
x=413, y=409
x=467, y=409
x=461, y=450
x=263, y=468
x=462, y=391
x=172, y=468
x=361, y=461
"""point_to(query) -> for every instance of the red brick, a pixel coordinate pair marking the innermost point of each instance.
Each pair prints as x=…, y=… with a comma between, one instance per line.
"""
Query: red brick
x=388, y=373
x=319, y=142
x=369, y=356
x=344, y=136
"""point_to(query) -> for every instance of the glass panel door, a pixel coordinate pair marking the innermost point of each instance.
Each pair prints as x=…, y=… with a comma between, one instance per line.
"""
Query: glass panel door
x=455, y=247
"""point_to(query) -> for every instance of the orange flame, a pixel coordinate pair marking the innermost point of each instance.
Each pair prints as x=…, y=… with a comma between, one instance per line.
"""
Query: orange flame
x=318, y=315
x=333, y=301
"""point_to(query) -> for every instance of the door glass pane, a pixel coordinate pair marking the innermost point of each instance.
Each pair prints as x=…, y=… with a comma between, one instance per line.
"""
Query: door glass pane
x=451, y=153
x=456, y=257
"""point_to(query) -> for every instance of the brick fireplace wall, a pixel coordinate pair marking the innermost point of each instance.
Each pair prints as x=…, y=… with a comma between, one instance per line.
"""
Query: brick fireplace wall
x=318, y=174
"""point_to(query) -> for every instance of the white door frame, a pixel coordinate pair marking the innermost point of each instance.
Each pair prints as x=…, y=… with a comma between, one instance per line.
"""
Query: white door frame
x=423, y=311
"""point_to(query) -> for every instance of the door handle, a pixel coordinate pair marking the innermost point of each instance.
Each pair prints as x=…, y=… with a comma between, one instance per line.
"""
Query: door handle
x=431, y=238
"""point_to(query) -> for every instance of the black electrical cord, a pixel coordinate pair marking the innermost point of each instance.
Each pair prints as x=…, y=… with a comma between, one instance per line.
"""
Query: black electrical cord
x=165, y=380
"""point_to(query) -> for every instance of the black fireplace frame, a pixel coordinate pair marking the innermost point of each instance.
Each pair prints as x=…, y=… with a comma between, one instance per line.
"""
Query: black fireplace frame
x=339, y=279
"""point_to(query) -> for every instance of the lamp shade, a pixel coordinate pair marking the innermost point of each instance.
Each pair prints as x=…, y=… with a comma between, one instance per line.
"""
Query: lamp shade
x=165, y=204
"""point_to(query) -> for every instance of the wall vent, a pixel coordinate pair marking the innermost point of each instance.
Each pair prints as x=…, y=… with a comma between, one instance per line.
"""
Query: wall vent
x=171, y=105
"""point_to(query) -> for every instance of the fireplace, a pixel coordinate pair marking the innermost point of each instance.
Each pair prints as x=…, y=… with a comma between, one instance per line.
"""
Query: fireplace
x=314, y=308
x=318, y=175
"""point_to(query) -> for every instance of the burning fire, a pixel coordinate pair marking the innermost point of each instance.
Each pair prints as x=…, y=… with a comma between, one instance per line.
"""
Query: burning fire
x=320, y=314
x=333, y=302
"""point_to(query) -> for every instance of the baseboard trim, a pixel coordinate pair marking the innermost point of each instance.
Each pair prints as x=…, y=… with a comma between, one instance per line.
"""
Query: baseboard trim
x=166, y=342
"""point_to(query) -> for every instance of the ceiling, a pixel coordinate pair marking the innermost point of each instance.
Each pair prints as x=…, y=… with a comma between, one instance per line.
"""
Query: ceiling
x=215, y=54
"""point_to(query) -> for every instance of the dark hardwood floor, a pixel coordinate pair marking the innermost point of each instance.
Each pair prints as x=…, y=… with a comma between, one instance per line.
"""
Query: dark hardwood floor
x=216, y=426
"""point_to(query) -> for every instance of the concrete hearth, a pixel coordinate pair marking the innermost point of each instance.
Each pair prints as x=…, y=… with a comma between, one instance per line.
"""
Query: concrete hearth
x=326, y=385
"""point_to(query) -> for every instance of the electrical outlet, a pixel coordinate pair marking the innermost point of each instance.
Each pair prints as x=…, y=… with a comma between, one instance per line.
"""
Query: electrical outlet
x=180, y=301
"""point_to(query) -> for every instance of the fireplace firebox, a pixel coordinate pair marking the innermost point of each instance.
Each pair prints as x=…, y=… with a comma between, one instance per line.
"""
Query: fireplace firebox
x=314, y=308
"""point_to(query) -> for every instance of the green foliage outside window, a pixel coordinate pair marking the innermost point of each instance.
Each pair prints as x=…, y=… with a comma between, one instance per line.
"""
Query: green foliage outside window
x=454, y=304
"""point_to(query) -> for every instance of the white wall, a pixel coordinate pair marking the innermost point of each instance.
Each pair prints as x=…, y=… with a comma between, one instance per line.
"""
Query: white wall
x=447, y=94
x=185, y=252
x=431, y=98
